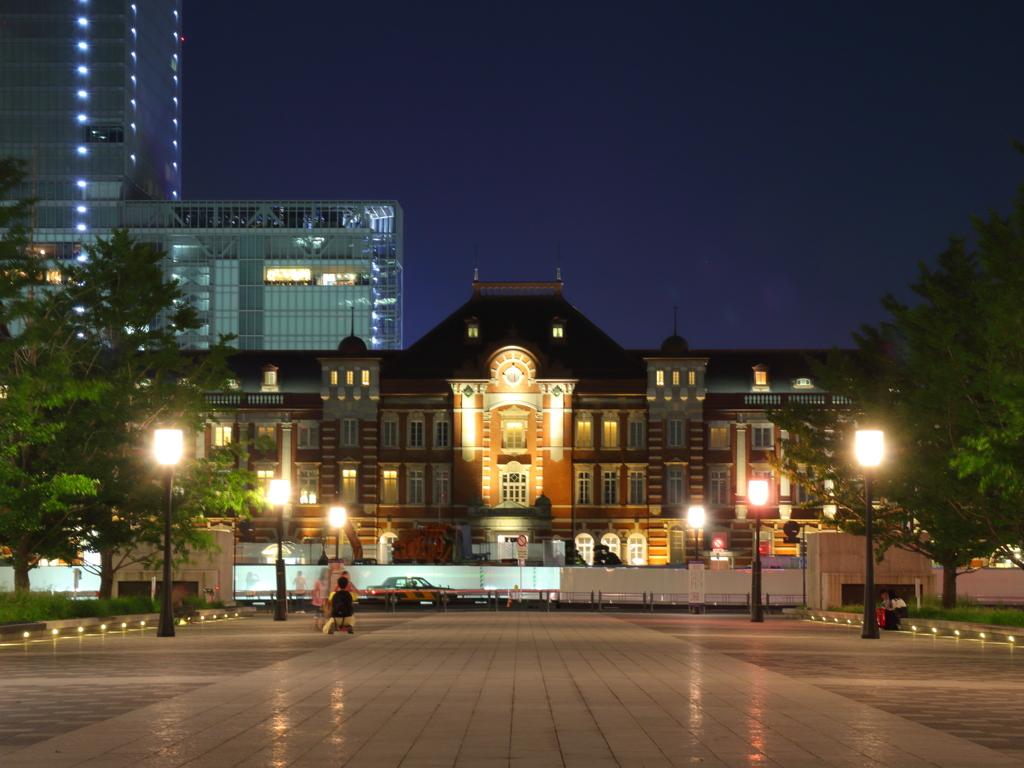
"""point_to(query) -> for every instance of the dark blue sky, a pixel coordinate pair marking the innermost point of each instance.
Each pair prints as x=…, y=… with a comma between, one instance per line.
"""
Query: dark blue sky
x=771, y=168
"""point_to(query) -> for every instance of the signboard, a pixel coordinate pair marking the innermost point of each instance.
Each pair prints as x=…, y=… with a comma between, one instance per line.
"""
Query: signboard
x=718, y=542
x=523, y=549
x=696, y=573
x=521, y=541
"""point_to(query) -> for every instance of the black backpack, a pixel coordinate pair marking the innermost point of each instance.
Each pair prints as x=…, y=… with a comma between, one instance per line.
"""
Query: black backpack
x=341, y=604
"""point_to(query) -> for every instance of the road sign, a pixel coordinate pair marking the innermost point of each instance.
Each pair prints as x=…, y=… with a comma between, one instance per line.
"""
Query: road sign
x=792, y=531
x=718, y=542
x=521, y=541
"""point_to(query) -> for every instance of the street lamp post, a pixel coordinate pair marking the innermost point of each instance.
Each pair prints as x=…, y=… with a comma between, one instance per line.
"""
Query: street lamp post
x=280, y=492
x=695, y=517
x=336, y=515
x=869, y=447
x=167, y=445
x=757, y=495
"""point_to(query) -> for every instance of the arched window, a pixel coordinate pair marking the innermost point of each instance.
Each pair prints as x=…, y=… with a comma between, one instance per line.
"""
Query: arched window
x=612, y=541
x=637, y=545
x=384, y=555
x=585, y=547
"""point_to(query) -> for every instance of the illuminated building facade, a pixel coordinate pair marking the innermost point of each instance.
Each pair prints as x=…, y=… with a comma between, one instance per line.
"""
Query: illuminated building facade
x=516, y=415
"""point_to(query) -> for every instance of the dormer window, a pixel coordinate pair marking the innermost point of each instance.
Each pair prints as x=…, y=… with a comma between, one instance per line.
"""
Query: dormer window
x=269, y=380
x=558, y=328
x=802, y=383
x=472, y=328
x=761, y=378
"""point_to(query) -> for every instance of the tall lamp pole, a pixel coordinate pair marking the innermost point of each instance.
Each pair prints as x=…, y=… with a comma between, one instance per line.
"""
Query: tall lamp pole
x=167, y=446
x=869, y=447
x=336, y=515
x=695, y=518
x=757, y=495
x=280, y=492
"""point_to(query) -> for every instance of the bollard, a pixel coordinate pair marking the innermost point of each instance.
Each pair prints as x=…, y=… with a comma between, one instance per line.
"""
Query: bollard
x=548, y=606
x=591, y=600
x=767, y=603
x=599, y=601
x=645, y=601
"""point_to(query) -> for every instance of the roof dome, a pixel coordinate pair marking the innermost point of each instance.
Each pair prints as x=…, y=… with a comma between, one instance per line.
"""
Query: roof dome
x=352, y=346
x=675, y=346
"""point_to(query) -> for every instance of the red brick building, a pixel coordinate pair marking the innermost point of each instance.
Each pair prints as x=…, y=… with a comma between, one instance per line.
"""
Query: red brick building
x=517, y=415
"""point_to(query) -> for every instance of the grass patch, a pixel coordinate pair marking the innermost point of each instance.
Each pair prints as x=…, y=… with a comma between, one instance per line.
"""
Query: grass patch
x=201, y=602
x=965, y=611
x=42, y=606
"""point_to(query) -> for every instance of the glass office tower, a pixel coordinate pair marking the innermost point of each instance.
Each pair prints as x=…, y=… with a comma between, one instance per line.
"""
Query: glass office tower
x=284, y=274
x=89, y=99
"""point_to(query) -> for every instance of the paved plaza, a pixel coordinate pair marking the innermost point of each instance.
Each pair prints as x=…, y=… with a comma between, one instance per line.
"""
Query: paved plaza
x=520, y=688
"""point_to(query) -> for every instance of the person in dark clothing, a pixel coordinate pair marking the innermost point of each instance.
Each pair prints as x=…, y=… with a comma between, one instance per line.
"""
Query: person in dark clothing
x=341, y=609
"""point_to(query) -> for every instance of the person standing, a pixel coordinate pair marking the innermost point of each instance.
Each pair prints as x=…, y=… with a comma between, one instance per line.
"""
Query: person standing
x=319, y=594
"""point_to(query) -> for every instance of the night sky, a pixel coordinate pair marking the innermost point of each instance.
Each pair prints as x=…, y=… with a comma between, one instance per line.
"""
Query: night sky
x=770, y=168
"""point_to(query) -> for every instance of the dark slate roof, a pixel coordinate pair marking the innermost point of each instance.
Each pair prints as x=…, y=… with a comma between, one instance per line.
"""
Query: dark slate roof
x=517, y=313
x=298, y=371
x=732, y=370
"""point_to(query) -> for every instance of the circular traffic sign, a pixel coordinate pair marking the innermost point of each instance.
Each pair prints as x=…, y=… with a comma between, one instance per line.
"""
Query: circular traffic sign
x=521, y=541
x=718, y=543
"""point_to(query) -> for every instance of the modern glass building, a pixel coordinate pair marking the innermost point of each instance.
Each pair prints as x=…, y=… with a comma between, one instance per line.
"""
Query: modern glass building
x=284, y=274
x=90, y=100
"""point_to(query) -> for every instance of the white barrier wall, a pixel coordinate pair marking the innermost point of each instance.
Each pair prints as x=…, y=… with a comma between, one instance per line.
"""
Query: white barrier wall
x=676, y=581
x=987, y=583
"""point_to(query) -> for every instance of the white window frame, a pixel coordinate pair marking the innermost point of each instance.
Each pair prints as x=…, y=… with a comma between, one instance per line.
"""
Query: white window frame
x=584, y=431
x=675, y=433
x=307, y=478
x=308, y=435
x=350, y=431
x=389, y=485
x=609, y=487
x=442, y=485
x=719, y=486
x=636, y=548
x=637, y=479
x=614, y=544
x=757, y=434
x=584, y=488
x=415, y=485
x=416, y=430
x=637, y=437
x=675, y=484
x=718, y=429
x=442, y=432
x=610, y=430
x=389, y=431
x=348, y=476
x=585, y=547
x=222, y=435
x=516, y=490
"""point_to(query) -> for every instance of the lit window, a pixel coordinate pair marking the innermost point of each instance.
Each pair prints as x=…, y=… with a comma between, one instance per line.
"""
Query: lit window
x=557, y=331
x=610, y=486
x=473, y=331
x=348, y=485
x=659, y=377
x=389, y=486
x=514, y=437
x=637, y=546
x=350, y=377
x=513, y=486
x=610, y=431
x=760, y=378
x=334, y=378
x=414, y=481
x=584, y=486
x=264, y=434
x=719, y=435
x=675, y=433
x=264, y=476
x=221, y=436
x=803, y=383
x=270, y=378
x=366, y=377
x=585, y=547
x=348, y=431
x=675, y=378
x=584, y=431
x=614, y=544
x=637, y=494
x=691, y=378
x=309, y=485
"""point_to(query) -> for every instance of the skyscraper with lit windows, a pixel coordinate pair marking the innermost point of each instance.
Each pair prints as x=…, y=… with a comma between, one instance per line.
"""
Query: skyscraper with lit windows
x=90, y=101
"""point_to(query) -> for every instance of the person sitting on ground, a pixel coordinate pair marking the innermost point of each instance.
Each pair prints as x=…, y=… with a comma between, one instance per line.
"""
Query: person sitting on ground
x=341, y=609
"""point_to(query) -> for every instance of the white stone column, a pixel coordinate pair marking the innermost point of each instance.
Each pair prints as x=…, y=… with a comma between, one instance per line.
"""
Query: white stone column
x=555, y=415
x=741, y=471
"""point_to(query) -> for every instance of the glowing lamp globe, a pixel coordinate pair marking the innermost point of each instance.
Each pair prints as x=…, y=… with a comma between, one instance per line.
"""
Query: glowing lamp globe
x=757, y=492
x=695, y=517
x=279, y=492
x=337, y=516
x=869, y=447
x=167, y=445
